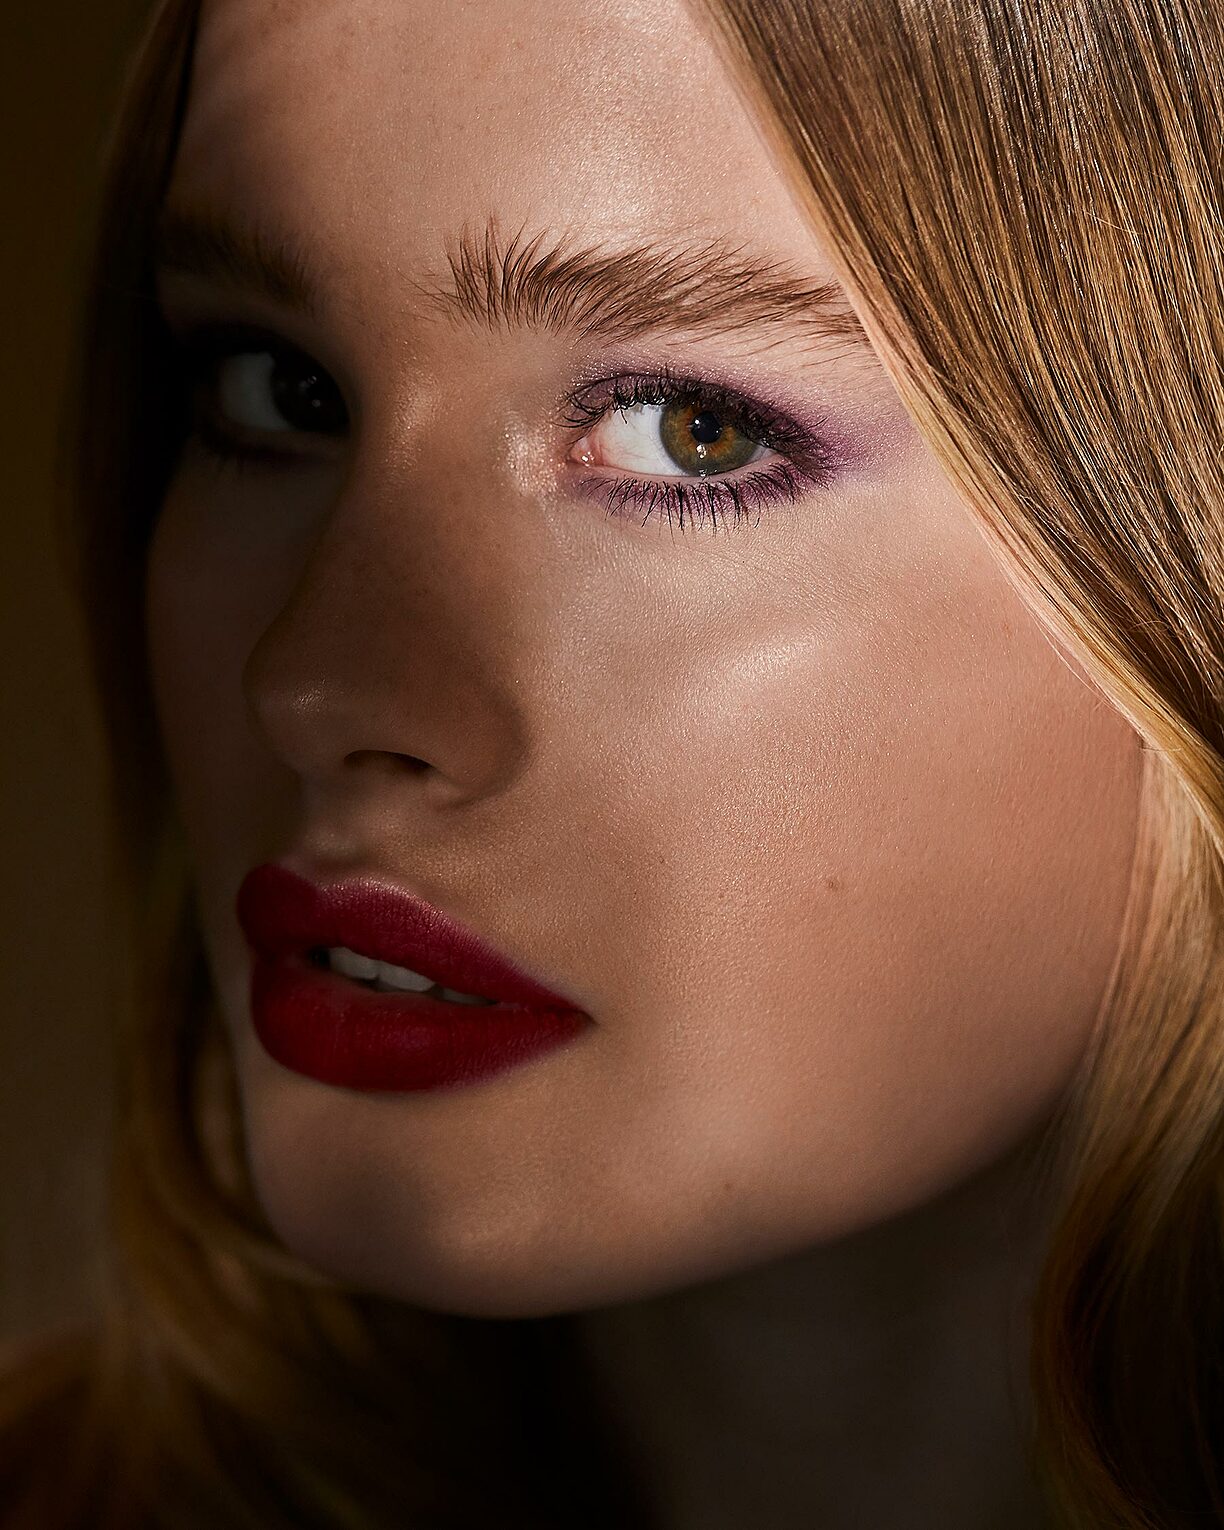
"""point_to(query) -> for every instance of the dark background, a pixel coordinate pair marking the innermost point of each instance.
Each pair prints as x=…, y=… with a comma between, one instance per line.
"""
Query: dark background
x=60, y=68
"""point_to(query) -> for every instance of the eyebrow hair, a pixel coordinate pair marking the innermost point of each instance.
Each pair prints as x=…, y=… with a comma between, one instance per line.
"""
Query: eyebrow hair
x=187, y=242
x=708, y=287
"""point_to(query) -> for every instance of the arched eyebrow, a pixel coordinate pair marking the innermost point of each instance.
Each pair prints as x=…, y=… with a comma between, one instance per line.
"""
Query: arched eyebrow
x=589, y=291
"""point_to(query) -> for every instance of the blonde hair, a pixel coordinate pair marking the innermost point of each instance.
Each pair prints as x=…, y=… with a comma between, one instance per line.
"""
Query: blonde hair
x=1024, y=198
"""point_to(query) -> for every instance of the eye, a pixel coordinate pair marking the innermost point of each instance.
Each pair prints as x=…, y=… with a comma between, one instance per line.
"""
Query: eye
x=246, y=386
x=671, y=445
x=682, y=437
x=272, y=390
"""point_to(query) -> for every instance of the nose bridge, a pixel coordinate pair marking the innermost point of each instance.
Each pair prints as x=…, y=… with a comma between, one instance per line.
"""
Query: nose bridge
x=388, y=646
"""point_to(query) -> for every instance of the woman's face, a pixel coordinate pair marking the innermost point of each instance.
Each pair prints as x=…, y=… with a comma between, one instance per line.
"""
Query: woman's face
x=770, y=770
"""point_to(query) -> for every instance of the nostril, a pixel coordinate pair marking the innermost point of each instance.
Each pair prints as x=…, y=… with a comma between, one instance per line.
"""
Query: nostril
x=388, y=760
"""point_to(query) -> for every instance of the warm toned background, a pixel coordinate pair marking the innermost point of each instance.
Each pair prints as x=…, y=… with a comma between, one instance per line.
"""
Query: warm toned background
x=59, y=72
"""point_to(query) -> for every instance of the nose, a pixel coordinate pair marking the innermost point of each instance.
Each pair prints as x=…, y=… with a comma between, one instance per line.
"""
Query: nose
x=392, y=655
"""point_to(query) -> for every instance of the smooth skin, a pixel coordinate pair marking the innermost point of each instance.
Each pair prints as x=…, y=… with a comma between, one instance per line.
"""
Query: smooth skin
x=809, y=813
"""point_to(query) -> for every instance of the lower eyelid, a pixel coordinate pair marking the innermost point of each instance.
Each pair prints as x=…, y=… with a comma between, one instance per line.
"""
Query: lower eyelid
x=746, y=495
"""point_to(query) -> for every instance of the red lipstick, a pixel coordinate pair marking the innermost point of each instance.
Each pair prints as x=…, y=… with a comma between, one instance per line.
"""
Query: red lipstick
x=337, y=1029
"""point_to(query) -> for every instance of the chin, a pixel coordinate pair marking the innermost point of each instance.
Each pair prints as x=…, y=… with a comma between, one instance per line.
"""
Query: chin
x=452, y=1206
x=462, y=1269
x=491, y=1258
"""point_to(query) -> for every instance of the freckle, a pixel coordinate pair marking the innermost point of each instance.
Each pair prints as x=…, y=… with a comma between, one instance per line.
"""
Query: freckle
x=834, y=884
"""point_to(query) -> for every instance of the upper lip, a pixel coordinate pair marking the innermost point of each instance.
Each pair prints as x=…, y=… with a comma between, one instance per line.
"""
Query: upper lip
x=284, y=914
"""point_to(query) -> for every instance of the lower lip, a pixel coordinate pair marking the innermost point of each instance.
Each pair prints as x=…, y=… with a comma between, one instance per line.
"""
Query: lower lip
x=326, y=1026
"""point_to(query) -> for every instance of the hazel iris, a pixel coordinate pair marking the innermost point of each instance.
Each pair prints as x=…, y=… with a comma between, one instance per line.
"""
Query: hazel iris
x=701, y=442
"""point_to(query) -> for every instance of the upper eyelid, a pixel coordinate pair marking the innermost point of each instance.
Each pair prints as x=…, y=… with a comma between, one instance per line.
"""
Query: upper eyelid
x=225, y=335
x=235, y=338
x=209, y=340
x=776, y=427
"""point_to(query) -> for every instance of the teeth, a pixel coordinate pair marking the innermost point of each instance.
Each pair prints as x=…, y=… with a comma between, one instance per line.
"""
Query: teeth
x=397, y=979
x=461, y=998
x=353, y=965
x=401, y=977
x=350, y=964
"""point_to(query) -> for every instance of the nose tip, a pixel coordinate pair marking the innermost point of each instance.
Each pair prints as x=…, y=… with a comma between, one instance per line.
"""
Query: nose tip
x=302, y=723
x=342, y=709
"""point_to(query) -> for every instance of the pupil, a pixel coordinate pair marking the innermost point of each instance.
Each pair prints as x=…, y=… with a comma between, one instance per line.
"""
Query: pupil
x=705, y=428
x=305, y=399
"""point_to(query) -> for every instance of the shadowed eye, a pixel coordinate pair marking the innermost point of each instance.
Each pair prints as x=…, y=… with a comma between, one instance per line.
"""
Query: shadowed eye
x=272, y=390
x=246, y=387
x=684, y=437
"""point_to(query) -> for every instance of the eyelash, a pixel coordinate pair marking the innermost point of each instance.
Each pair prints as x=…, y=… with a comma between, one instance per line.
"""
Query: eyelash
x=805, y=462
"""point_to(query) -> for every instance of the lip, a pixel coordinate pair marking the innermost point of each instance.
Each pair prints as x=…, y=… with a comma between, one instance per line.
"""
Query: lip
x=329, y=1027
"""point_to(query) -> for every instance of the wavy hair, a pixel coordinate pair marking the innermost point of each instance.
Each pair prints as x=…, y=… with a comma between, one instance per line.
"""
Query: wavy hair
x=1026, y=200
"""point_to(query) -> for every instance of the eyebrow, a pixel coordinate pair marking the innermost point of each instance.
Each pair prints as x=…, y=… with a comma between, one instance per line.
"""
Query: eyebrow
x=604, y=292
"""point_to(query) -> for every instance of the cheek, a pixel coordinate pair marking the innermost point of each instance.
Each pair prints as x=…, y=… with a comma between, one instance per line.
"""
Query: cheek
x=198, y=622
x=872, y=876
x=223, y=559
x=210, y=590
x=195, y=648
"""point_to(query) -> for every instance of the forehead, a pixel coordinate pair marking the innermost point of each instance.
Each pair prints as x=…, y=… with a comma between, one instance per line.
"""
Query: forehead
x=382, y=128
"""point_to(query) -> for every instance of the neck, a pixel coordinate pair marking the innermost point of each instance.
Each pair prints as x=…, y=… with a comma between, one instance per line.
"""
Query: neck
x=879, y=1380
